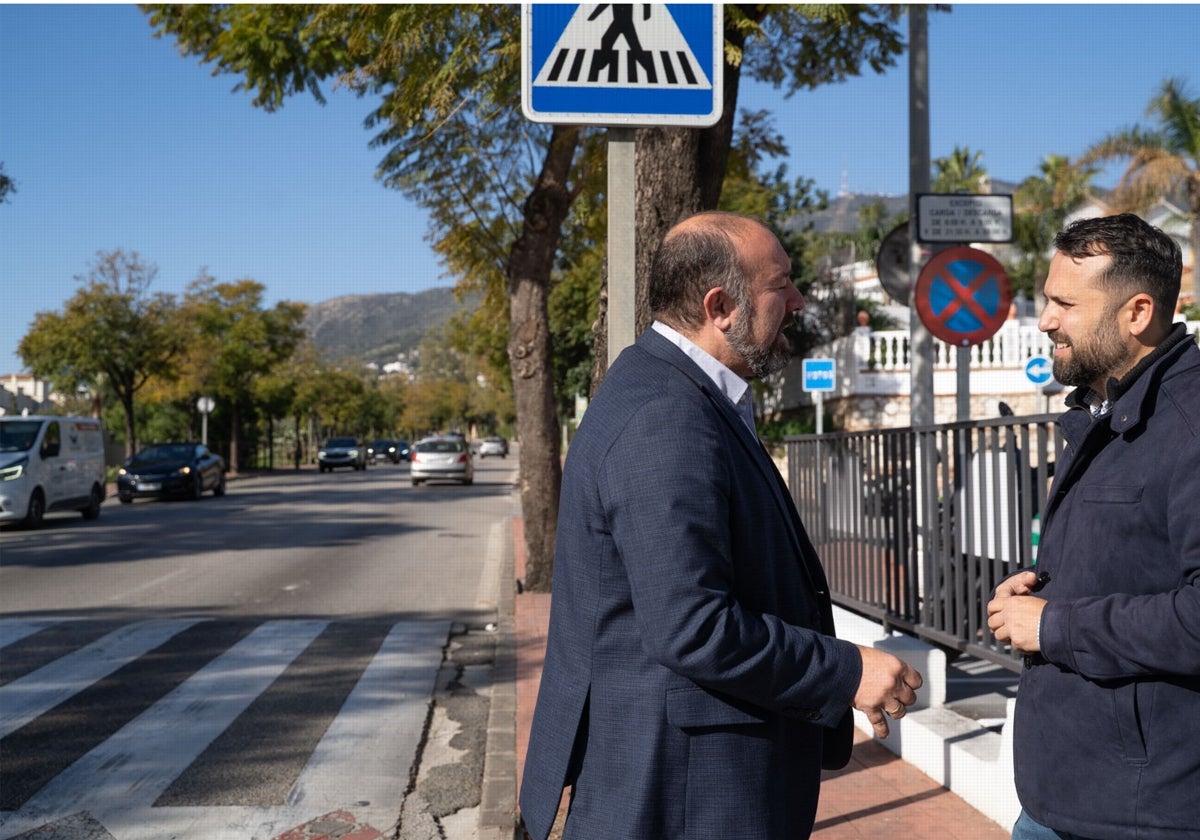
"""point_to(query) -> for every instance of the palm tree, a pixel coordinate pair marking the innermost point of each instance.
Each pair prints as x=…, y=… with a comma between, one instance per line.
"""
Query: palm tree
x=1042, y=203
x=1161, y=160
x=960, y=172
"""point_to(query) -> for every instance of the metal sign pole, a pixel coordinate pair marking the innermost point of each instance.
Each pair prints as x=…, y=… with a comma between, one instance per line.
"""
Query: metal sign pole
x=963, y=378
x=921, y=398
x=622, y=230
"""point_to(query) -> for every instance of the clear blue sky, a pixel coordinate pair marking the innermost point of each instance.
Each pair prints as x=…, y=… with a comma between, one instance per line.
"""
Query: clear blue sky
x=116, y=141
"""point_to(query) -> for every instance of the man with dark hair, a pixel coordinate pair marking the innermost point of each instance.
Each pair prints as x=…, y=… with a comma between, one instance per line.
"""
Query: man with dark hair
x=1107, y=725
x=692, y=685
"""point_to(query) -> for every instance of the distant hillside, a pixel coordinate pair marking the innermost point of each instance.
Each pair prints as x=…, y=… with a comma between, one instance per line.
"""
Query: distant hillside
x=374, y=328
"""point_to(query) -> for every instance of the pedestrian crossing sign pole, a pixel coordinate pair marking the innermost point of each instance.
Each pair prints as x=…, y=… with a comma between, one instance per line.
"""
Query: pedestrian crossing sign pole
x=622, y=64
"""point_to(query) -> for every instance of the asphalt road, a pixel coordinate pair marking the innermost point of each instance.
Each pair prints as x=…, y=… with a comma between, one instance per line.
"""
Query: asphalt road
x=238, y=666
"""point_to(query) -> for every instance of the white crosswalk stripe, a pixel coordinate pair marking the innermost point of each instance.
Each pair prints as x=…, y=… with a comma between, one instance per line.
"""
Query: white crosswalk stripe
x=356, y=761
x=362, y=760
x=23, y=700
x=14, y=631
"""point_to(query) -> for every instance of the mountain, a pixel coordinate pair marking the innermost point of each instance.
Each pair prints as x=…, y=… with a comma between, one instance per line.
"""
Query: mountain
x=375, y=328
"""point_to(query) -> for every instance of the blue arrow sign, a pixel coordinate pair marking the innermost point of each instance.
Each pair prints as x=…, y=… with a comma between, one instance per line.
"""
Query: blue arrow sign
x=1039, y=370
x=622, y=63
x=819, y=374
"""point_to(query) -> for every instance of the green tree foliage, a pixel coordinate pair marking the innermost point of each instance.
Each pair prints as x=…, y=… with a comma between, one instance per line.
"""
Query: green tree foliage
x=1161, y=160
x=7, y=187
x=500, y=191
x=112, y=336
x=1041, y=205
x=960, y=172
x=240, y=342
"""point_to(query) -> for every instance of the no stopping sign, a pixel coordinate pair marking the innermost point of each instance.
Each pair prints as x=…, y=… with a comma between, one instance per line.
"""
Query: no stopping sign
x=962, y=296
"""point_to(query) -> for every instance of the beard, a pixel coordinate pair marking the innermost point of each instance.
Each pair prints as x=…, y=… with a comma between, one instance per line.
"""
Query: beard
x=762, y=361
x=1092, y=359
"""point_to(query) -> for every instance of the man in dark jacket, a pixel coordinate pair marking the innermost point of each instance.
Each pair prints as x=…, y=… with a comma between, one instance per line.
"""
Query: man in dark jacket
x=693, y=687
x=1107, y=725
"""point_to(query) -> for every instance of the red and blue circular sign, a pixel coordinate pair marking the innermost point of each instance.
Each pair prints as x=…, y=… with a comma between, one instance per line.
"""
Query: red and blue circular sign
x=962, y=296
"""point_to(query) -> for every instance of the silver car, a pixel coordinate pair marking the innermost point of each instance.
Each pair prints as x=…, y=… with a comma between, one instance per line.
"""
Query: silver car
x=342, y=452
x=445, y=458
x=493, y=446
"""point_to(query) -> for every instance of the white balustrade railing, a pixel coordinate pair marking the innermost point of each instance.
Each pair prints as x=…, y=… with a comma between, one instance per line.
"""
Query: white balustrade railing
x=1011, y=347
x=877, y=362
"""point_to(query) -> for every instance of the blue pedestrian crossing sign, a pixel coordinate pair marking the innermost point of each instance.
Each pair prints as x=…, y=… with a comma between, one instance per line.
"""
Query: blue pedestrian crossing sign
x=622, y=64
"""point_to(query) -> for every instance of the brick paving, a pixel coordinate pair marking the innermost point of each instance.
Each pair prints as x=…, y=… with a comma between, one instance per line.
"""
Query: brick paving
x=878, y=795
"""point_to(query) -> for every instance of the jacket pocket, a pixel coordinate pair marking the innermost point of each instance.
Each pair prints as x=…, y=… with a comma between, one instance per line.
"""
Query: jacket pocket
x=1132, y=705
x=694, y=708
x=1114, y=494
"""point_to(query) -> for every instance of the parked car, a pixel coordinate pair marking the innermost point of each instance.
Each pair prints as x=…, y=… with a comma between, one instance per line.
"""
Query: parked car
x=171, y=469
x=495, y=445
x=342, y=452
x=441, y=458
x=385, y=449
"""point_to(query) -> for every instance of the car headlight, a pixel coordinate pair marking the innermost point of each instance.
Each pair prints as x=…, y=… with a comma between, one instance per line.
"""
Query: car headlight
x=353, y=453
x=14, y=471
x=321, y=453
x=122, y=471
x=185, y=471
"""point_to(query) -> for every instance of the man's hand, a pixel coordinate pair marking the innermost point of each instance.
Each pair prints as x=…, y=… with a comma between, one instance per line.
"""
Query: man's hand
x=1014, y=614
x=887, y=688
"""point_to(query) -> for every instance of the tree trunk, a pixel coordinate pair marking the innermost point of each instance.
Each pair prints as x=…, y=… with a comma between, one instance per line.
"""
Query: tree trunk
x=126, y=398
x=679, y=172
x=528, y=277
x=234, y=422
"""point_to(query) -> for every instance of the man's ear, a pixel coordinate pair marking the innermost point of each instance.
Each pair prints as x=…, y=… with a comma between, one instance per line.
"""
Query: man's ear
x=719, y=308
x=1141, y=313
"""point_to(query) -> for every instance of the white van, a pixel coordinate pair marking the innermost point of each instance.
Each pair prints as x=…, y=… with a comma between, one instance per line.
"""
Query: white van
x=50, y=463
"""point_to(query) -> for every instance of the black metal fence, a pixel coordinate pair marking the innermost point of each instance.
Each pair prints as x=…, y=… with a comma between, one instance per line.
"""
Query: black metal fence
x=916, y=526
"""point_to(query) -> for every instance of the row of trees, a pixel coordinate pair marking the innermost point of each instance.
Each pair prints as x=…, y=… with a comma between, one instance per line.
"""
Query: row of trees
x=146, y=358
x=517, y=210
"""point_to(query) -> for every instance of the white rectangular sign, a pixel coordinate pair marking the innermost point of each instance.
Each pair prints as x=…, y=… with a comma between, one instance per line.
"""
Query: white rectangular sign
x=964, y=218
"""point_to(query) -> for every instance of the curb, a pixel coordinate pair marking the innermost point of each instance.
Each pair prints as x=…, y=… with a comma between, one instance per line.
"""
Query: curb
x=498, y=794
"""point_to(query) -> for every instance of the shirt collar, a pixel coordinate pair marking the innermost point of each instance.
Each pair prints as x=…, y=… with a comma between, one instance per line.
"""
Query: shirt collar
x=735, y=389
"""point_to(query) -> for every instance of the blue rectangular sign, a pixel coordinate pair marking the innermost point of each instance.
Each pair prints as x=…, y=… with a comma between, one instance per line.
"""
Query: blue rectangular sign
x=820, y=375
x=622, y=64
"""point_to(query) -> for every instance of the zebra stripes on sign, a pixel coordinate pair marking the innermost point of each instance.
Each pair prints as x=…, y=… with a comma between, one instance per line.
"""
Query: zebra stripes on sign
x=628, y=69
x=620, y=63
x=176, y=728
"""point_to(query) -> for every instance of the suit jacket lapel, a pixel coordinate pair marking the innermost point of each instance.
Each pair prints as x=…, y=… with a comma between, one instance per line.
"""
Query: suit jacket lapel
x=656, y=344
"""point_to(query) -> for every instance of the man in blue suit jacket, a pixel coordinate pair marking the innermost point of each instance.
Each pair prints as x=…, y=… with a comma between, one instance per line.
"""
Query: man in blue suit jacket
x=692, y=685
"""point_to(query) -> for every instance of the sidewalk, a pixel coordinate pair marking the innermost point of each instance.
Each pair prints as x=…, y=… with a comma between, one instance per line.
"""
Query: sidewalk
x=877, y=795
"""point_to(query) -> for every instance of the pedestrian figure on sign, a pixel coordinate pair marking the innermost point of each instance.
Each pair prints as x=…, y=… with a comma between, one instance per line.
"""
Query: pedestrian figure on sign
x=622, y=26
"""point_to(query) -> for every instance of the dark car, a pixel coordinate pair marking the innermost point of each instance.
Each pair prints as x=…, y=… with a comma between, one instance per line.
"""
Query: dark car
x=386, y=449
x=342, y=452
x=171, y=469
